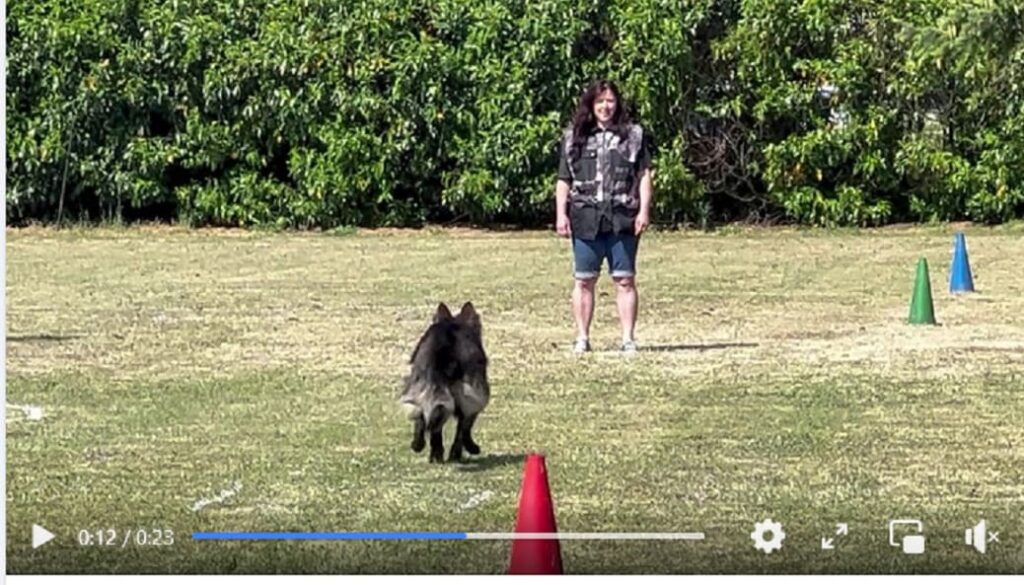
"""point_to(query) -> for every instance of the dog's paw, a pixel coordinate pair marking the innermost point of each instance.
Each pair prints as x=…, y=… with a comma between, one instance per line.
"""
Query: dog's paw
x=437, y=456
x=418, y=444
x=473, y=448
x=455, y=458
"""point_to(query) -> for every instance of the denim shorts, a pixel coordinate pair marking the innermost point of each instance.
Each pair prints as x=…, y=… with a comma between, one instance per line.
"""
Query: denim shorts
x=619, y=249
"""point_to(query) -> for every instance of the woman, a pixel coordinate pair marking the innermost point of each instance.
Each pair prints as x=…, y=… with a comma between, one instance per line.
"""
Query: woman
x=603, y=202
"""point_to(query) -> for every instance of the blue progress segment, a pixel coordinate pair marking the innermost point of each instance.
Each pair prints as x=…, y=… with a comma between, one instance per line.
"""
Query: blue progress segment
x=329, y=536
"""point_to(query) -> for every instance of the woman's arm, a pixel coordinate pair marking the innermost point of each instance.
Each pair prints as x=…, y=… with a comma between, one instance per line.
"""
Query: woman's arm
x=562, y=208
x=643, y=217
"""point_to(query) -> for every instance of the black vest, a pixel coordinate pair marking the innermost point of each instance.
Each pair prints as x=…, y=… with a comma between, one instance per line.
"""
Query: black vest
x=604, y=184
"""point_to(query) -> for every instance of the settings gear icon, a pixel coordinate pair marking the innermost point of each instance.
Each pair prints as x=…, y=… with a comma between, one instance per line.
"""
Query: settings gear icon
x=770, y=544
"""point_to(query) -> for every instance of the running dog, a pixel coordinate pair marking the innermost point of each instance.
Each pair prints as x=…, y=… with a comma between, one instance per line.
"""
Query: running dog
x=448, y=378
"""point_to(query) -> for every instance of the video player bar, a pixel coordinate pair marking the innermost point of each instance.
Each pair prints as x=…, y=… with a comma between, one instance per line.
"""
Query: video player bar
x=448, y=536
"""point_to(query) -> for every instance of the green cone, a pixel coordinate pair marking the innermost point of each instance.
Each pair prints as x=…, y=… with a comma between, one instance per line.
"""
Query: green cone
x=921, y=310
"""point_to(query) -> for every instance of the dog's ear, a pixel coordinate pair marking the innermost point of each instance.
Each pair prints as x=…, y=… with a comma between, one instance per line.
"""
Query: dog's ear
x=442, y=313
x=469, y=316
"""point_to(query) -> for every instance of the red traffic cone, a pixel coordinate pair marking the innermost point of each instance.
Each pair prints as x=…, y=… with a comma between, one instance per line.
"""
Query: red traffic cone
x=536, y=514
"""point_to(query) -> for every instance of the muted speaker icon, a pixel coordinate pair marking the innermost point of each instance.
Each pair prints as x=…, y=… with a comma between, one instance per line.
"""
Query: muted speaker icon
x=979, y=537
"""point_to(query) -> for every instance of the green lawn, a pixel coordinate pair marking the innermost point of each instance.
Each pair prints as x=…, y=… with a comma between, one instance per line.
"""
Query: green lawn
x=780, y=380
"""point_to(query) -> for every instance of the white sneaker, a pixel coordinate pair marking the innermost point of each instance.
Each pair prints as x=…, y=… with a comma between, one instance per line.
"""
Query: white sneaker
x=582, y=346
x=629, y=347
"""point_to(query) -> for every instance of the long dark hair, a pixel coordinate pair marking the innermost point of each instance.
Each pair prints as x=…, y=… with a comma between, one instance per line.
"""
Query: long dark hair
x=583, y=120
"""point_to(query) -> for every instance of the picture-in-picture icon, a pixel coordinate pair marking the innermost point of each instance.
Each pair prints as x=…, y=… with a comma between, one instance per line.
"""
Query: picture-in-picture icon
x=912, y=544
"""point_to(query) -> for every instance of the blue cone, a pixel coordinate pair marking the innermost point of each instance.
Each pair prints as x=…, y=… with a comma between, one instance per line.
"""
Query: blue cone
x=960, y=280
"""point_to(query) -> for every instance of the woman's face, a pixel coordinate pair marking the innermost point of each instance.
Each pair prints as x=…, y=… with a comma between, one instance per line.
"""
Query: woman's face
x=604, y=107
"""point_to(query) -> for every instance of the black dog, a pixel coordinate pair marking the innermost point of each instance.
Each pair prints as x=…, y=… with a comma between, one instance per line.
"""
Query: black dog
x=449, y=377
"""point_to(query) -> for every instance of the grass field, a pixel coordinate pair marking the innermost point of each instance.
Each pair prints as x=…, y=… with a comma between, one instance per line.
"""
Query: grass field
x=223, y=380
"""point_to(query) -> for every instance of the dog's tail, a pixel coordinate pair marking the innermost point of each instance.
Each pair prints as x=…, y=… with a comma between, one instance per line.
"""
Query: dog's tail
x=430, y=398
x=438, y=415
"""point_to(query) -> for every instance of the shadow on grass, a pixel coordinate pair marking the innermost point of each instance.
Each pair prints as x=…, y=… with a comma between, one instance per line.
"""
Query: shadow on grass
x=693, y=346
x=491, y=461
x=41, y=338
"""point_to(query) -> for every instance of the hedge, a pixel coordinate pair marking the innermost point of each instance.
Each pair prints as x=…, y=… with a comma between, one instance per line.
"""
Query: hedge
x=317, y=114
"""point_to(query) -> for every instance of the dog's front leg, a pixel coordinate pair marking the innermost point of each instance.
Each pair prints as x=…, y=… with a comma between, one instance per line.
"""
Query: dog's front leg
x=456, y=453
x=467, y=438
x=436, y=446
x=419, y=440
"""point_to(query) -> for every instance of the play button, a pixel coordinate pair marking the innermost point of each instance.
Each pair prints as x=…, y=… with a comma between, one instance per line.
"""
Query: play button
x=40, y=536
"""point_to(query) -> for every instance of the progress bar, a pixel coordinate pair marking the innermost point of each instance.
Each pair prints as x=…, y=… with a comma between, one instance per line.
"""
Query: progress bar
x=447, y=536
x=585, y=536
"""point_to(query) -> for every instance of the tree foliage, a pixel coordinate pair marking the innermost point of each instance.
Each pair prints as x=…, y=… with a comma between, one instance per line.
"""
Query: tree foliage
x=317, y=113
